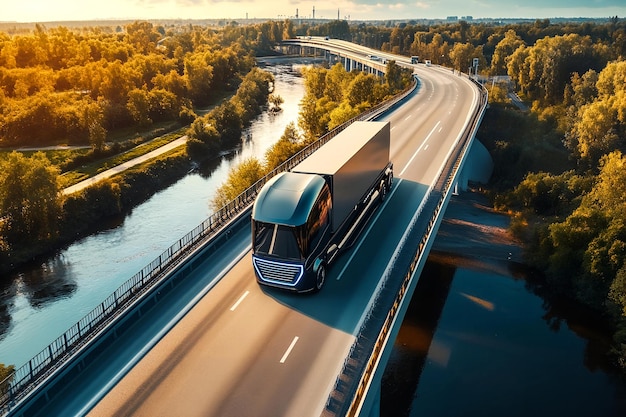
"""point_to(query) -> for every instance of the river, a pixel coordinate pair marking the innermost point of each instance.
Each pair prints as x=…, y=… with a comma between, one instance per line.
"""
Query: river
x=40, y=302
x=483, y=337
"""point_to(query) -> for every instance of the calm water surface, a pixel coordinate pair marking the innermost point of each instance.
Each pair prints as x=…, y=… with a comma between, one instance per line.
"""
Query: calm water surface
x=41, y=302
x=489, y=342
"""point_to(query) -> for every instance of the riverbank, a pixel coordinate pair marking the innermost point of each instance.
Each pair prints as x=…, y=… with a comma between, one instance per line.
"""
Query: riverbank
x=485, y=232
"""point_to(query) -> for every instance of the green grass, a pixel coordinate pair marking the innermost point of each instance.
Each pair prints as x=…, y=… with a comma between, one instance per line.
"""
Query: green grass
x=89, y=170
x=56, y=157
x=139, y=150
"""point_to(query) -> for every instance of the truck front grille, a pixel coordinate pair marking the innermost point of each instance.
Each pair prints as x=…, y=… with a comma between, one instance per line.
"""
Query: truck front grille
x=281, y=273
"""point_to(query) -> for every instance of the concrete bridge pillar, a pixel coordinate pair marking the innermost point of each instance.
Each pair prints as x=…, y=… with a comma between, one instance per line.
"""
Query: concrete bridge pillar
x=477, y=167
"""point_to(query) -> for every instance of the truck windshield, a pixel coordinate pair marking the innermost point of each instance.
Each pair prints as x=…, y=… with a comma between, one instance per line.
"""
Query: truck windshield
x=276, y=240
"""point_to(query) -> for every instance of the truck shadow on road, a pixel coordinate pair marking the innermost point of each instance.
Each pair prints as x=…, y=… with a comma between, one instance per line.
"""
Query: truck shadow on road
x=355, y=277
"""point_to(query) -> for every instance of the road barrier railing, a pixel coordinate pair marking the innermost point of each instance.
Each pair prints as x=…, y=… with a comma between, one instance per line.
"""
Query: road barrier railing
x=352, y=384
x=44, y=365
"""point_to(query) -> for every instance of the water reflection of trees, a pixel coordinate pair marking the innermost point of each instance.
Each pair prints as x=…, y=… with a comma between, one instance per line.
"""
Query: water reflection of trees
x=413, y=343
x=41, y=284
x=404, y=368
x=8, y=291
x=48, y=282
x=560, y=310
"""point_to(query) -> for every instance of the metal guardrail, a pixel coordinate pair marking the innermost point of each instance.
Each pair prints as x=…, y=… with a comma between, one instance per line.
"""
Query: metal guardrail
x=31, y=375
x=360, y=365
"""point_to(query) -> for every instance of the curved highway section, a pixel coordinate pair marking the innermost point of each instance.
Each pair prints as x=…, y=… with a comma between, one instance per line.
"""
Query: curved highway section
x=243, y=350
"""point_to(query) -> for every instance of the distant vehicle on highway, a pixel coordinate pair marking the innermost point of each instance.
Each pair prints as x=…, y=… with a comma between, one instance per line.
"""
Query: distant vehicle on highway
x=415, y=59
x=373, y=57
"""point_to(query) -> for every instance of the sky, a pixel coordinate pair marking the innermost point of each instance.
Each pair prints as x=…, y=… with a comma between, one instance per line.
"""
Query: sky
x=64, y=10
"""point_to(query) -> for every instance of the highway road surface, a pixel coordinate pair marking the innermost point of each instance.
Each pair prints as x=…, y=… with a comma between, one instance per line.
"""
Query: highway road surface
x=242, y=350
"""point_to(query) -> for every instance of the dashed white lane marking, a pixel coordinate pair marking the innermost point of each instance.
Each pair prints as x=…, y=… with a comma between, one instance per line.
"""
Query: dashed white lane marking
x=293, y=343
x=245, y=294
x=419, y=149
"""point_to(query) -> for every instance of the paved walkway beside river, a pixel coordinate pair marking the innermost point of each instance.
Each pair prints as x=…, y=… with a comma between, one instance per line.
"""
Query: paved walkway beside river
x=128, y=164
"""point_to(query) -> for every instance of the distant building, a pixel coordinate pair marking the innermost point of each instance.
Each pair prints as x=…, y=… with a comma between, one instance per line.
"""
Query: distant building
x=467, y=18
x=452, y=18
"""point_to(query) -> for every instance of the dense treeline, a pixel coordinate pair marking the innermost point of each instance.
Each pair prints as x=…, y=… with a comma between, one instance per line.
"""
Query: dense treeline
x=492, y=43
x=332, y=96
x=223, y=126
x=573, y=219
x=61, y=86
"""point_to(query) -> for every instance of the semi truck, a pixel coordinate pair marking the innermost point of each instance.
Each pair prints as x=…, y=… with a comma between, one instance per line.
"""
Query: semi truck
x=303, y=219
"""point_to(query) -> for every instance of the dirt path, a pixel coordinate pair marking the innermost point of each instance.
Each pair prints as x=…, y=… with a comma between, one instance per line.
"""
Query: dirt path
x=128, y=164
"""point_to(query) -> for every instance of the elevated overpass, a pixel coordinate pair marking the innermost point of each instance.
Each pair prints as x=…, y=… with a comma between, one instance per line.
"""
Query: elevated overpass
x=204, y=339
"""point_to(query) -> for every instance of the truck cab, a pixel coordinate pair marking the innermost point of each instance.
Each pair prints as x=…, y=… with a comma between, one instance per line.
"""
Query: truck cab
x=289, y=220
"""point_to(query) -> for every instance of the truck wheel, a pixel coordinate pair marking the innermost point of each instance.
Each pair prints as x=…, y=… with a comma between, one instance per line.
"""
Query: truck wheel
x=320, y=277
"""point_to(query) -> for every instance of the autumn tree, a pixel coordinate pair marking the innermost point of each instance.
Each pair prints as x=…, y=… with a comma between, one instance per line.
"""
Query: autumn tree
x=541, y=71
x=462, y=56
x=276, y=101
x=599, y=126
x=335, y=80
x=503, y=50
x=361, y=89
x=199, y=76
x=29, y=197
x=143, y=36
x=94, y=119
x=394, y=77
x=139, y=106
x=289, y=143
x=239, y=179
x=6, y=375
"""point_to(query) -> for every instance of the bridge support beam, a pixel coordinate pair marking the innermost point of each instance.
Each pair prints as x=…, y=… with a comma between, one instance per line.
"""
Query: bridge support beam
x=477, y=167
x=375, y=405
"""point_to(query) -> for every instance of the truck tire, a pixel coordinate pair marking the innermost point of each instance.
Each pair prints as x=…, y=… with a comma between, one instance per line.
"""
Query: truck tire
x=320, y=277
x=383, y=191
